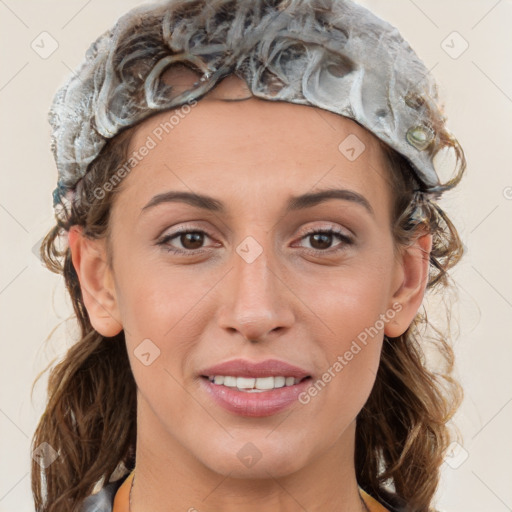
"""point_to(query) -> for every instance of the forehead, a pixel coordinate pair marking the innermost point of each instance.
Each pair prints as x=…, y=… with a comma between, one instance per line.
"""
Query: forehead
x=253, y=146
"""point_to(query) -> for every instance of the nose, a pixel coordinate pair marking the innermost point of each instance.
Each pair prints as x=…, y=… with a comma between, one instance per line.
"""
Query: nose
x=255, y=299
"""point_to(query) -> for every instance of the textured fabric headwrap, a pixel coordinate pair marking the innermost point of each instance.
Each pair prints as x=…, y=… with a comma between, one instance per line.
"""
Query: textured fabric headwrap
x=331, y=54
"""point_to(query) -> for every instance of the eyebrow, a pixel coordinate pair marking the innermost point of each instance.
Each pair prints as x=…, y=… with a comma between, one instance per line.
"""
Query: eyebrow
x=295, y=203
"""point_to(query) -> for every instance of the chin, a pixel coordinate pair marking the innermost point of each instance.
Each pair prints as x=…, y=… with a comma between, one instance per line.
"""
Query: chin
x=257, y=460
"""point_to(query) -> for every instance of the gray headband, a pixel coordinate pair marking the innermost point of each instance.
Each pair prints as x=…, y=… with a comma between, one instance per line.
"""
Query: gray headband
x=335, y=55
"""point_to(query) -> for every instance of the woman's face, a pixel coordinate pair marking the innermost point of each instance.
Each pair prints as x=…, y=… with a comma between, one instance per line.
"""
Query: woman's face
x=254, y=279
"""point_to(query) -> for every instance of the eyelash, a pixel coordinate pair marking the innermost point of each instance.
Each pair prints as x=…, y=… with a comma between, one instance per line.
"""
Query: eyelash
x=317, y=252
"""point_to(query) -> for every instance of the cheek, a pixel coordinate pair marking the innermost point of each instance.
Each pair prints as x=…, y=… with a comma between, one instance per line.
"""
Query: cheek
x=348, y=299
x=349, y=306
x=154, y=297
x=162, y=311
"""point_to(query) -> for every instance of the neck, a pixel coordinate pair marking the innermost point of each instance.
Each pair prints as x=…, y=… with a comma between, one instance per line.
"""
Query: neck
x=169, y=478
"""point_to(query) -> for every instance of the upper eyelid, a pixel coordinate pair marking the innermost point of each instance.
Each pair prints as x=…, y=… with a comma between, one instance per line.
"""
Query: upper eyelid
x=341, y=230
x=188, y=228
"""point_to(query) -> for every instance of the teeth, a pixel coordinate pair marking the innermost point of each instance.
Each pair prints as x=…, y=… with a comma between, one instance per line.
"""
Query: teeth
x=245, y=383
x=219, y=379
x=279, y=382
x=230, y=381
x=253, y=385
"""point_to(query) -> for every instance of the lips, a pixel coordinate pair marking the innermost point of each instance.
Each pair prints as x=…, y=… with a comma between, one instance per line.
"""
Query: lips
x=254, y=402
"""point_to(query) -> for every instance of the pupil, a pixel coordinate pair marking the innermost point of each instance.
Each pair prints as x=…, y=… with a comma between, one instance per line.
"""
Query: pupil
x=195, y=237
x=326, y=238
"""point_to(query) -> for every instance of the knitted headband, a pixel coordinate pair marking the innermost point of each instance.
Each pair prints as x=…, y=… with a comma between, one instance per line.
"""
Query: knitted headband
x=331, y=54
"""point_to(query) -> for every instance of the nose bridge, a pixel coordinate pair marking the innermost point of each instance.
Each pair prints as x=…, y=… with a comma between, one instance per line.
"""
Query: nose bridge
x=255, y=304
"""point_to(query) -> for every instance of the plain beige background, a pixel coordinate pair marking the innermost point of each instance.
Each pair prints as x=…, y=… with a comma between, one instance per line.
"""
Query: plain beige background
x=467, y=46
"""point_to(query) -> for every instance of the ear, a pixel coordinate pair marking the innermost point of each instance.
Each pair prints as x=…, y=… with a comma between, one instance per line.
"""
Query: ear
x=409, y=284
x=96, y=281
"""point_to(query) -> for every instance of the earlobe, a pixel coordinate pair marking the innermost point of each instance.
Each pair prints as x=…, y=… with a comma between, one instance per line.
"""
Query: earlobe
x=412, y=274
x=90, y=261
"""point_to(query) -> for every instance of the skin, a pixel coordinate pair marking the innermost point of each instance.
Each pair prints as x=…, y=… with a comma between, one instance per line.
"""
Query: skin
x=306, y=309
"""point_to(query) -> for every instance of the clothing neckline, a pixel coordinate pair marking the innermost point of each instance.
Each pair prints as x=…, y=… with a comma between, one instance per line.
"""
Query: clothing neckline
x=121, y=498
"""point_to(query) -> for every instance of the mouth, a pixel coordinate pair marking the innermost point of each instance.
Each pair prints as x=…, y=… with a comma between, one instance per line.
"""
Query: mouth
x=254, y=388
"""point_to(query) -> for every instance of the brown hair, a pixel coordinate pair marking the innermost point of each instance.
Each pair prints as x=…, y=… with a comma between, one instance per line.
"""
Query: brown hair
x=402, y=432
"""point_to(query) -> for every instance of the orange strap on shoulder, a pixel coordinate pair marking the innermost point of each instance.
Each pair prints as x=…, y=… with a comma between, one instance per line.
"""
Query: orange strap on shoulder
x=121, y=499
x=372, y=504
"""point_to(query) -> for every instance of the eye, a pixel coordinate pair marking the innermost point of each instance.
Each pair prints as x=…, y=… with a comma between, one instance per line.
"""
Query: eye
x=321, y=239
x=191, y=241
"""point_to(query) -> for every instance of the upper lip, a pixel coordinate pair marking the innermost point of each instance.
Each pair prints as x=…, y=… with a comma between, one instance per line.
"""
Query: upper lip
x=246, y=368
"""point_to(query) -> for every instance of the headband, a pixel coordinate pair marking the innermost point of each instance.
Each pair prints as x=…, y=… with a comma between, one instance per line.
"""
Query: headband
x=331, y=54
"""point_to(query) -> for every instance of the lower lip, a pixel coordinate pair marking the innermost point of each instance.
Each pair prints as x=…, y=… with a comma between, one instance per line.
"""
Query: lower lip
x=256, y=404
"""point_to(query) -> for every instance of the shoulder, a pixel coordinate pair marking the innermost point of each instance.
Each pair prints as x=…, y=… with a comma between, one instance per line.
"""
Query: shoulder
x=103, y=500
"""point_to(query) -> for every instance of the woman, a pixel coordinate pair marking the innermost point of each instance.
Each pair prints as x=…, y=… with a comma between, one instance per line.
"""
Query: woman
x=247, y=190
